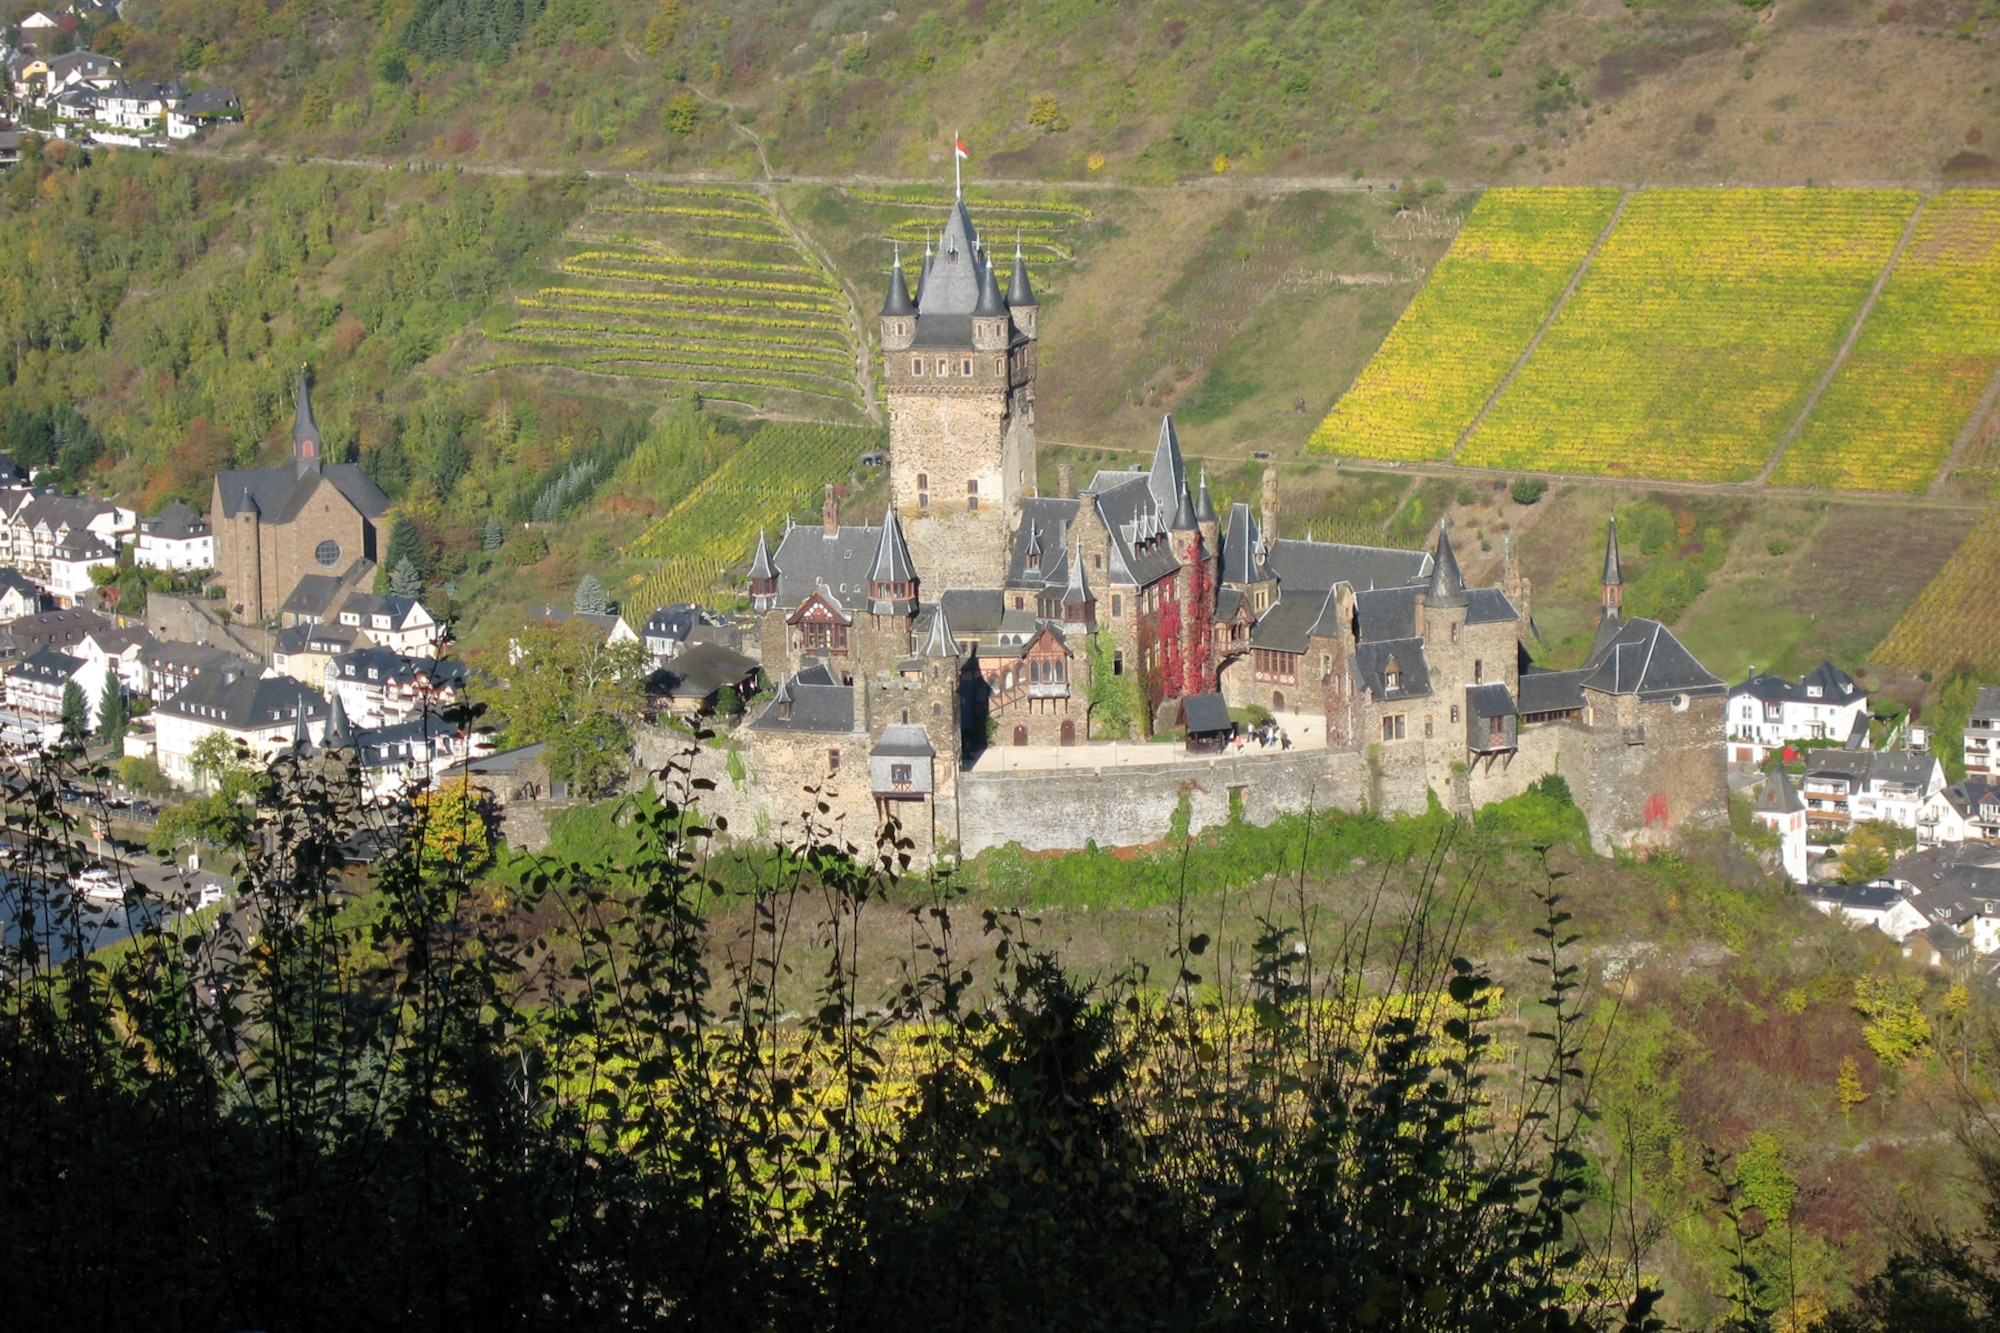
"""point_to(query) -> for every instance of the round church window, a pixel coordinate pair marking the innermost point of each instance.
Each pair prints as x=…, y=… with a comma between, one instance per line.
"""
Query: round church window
x=327, y=553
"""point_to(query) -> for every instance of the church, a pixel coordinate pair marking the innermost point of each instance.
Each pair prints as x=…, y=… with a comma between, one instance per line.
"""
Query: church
x=274, y=526
x=977, y=612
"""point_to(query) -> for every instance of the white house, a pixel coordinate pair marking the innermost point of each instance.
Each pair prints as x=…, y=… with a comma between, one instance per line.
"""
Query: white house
x=1765, y=713
x=40, y=523
x=1779, y=808
x=1982, y=735
x=176, y=538
x=398, y=623
x=261, y=712
x=397, y=758
x=672, y=628
x=1877, y=905
x=1847, y=787
x=19, y=596
x=119, y=648
x=200, y=109
x=1966, y=811
x=377, y=687
x=35, y=686
x=75, y=556
x=138, y=107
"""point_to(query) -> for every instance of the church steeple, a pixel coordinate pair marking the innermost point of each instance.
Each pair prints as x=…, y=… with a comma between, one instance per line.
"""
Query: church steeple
x=1613, y=578
x=305, y=431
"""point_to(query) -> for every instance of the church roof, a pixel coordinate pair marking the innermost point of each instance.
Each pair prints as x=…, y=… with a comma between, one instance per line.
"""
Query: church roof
x=304, y=428
x=279, y=493
x=1612, y=573
x=1643, y=657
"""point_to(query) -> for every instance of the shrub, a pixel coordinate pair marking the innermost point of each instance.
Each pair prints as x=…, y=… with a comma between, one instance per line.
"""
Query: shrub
x=1528, y=490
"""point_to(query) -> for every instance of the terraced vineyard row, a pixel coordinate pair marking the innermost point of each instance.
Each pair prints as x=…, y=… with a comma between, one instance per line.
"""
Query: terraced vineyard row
x=1696, y=334
x=1953, y=620
x=1484, y=300
x=698, y=286
x=781, y=470
x=1922, y=361
x=911, y=218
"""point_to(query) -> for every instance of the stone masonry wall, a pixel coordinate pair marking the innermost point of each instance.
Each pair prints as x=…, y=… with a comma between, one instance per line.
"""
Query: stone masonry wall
x=951, y=439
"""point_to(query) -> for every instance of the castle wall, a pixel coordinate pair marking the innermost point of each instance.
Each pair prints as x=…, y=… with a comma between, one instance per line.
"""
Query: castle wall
x=948, y=440
x=1062, y=810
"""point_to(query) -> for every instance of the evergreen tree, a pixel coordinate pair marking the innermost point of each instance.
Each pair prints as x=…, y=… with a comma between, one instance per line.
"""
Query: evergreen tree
x=404, y=580
x=494, y=537
x=75, y=717
x=403, y=547
x=590, y=599
x=111, y=715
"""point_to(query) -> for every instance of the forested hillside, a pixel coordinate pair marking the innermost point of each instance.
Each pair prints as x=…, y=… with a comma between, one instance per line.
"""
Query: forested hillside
x=1473, y=89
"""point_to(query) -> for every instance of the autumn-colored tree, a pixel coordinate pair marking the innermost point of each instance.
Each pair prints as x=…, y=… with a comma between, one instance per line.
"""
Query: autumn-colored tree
x=457, y=828
x=565, y=685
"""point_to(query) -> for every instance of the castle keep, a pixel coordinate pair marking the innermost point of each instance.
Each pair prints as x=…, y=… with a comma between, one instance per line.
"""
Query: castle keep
x=938, y=666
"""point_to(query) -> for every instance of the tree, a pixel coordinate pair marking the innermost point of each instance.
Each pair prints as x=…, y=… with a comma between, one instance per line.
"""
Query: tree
x=1528, y=490
x=404, y=545
x=1897, y=1029
x=1847, y=1089
x=494, y=537
x=590, y=599
x=456, y=827
x=75, y=717
x=112, y=714
x=565, y=685
x=405, y=581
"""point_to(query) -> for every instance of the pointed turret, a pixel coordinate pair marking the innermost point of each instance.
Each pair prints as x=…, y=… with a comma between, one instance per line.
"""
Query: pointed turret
x=338, y=735
x=951, y=287
x=1447, y=585
x=1020, y=293
x=305, y=431
x=763, y=576
x=1204, y=508
x=1079, y=607
x=941, y=643
x=1614, y=578
x=898, y=303
x=1779, y=797
x=1167, y=479
x=991, y=303
x=1184, y=519
x=301, y=738
x=892, y=583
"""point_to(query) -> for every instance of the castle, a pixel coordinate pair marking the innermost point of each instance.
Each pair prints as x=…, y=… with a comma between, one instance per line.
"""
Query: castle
x=978, y=613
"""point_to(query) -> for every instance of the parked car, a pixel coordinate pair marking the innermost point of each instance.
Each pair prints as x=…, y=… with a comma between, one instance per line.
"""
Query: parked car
x=99, y=885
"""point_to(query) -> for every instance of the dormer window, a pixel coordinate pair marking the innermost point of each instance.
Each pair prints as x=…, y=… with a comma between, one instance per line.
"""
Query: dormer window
x=1814, y=691
x=1392, y=676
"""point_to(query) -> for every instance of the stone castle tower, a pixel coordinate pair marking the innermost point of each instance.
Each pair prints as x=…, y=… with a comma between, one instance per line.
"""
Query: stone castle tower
x=960, y=369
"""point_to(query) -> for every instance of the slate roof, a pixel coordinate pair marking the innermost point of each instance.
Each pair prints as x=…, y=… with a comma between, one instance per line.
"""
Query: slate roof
x=678, y=621
x=1370, y=665
x=1612, y=575
x=1643, y=658
x=1242, y=547
x=904, y=740
x=811, y=701
x=177, y=522
x=940, y=641
x=192, y=657
x=19, y=582
x=1860, y=897
x=1205, y=714
x=1020, y=292
x=117, y=640
x=44, y=628
x=898, y=301
x=807, y=557
x=208, y=102
x=1489, y=700
x=394, y=744
x=1287, y=624
x=1551, y=691
x=313, y=596
x=975, y=611
x=1447, y=584
x=1987, y=704
x=951, y=279
x=245, y=702
x=393, y=668
x=1317, y=566
x=701, y=671
x=1778, y=796
x=47, y=666
x=1872, y=766
x=1835, y=687
x=279, y=493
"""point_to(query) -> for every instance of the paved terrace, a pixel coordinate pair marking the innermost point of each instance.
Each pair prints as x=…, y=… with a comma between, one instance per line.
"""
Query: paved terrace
x=1307, y=732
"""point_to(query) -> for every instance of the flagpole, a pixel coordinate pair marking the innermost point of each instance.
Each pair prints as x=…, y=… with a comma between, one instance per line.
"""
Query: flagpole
x=957, y=180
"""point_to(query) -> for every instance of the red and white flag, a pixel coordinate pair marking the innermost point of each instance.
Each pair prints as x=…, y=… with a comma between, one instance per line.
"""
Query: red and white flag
x=958, y=146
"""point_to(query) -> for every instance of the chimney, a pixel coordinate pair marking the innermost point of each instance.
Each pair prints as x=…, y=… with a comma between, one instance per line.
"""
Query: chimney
x=1065, y=482
x=829, y=514
x=1270, y=505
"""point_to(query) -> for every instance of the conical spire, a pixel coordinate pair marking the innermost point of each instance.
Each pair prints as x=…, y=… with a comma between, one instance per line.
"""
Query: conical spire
x=1447, y=585
x=1167, y=479
x=892, y=553
x=760, y=563
x=990, y=301
x=1779, y=797
x=898, y=301
x=338, y=735
x=1204, y=508
x=301, y=738
x=1613, y=576
x=1078, y=589
x=941, y=643
x=1184, y=519
x=1019, y=292
x=305, y=431
x=952, y=281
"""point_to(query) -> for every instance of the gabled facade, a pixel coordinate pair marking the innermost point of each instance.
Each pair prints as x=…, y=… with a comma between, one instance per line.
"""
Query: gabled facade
x=176, y=539
x=264, y=713
x=1767, y=713
x=274, y=526
x=1982, y=735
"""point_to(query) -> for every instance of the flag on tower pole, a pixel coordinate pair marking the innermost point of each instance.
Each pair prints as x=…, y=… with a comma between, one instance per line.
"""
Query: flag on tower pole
x=959, y=152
